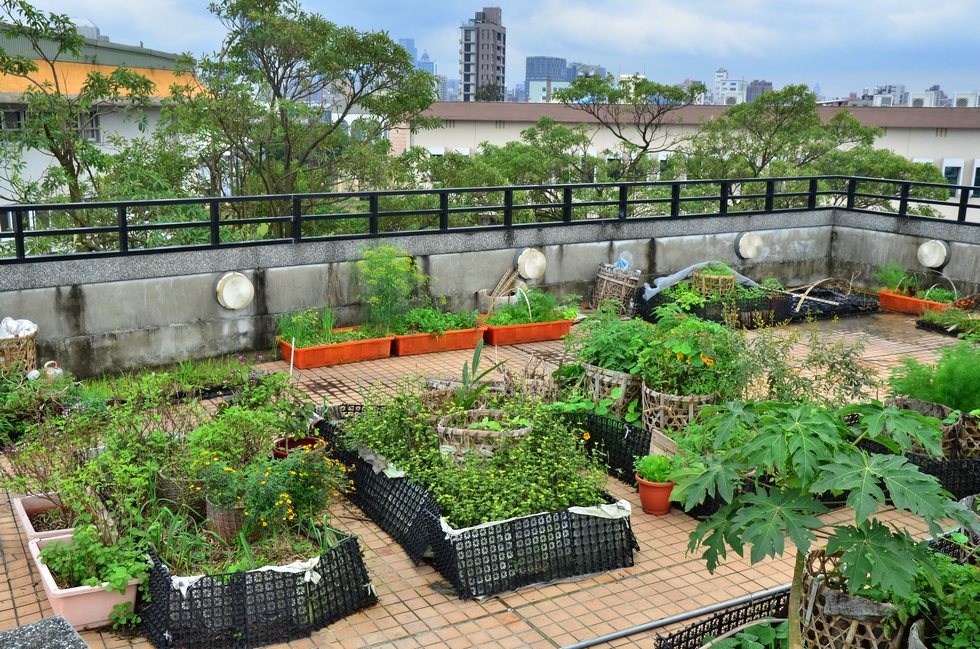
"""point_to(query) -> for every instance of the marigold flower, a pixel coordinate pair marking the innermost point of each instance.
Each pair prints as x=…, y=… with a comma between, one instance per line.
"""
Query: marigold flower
x=586, y=436
x=707, y=361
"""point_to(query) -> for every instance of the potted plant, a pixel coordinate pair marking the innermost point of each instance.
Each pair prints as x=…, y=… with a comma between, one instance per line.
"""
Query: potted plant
x=609, y=350
x=310, y=339
x=425, y=329
x=713, y=279
x=794, y=454
x=652, y=477
x=537, y=316
x=903, y=291
x=689, y=363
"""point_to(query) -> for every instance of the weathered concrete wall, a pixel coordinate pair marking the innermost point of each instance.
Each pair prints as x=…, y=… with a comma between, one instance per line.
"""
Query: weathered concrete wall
x=109, y=315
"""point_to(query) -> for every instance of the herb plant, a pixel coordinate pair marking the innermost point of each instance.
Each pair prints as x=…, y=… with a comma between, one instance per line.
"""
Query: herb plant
x=314, y=327
x=388, y=280
x=611, y=343
x=653, y=468
x=891, y=275
x=953, y=381
x=535, y=305
x=427, y=320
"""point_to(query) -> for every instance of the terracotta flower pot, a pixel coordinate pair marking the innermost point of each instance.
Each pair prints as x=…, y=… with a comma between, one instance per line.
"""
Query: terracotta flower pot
x=284, y=445
x=527, y=333
x=654, y=496
x=325, y=355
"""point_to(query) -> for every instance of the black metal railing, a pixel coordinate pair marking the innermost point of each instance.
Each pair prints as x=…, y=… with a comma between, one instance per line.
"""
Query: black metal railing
x=30, y=233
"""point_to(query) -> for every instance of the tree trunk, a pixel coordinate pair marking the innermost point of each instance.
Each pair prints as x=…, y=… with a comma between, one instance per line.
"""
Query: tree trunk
x=796, y=602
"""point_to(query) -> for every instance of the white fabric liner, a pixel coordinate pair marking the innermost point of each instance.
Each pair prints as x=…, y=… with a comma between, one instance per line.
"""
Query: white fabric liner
x=618, y=509
x=10, y=328
x=662, y=283
x=306, y=567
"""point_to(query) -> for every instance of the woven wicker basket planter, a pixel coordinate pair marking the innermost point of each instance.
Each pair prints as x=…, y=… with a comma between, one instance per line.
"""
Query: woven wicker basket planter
x=255, y=608
x=454, y=431
x=600, y=382
x=613, y=283
x=709, y=285
x=19, y=353
x=830, y=616
x=183, y=492
x=226, y=522
x=664, y=412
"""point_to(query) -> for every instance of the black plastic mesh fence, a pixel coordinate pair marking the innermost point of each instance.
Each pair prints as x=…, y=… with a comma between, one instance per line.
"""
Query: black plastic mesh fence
x=495, y=558
x=959, y=477
x=620, y=443
x=241, y=610
x=693, y=636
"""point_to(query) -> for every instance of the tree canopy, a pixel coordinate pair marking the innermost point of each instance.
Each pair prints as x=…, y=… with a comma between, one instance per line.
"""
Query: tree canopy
x=634, y=110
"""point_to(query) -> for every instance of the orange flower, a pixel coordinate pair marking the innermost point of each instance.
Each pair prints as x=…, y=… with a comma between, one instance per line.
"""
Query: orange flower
x=707, y=361
x=586, y=436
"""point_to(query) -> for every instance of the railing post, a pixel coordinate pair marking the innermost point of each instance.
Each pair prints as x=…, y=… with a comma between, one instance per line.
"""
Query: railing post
x=903, y=200
x=623, y=201
x=123, y=229
x=373, y=207
x=770, y=192
x=811, y=199
x=566, y=210
x=723, y=197
x=19, y=234
x=215, y=232
x=443, y=211
x=508, y=208
x=964, y=201
x=297, y=220
x=851, y=190
x=675, y=199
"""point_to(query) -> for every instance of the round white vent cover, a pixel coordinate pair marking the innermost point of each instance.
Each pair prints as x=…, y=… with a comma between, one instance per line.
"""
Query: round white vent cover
x=234, y=291
x=748, y=245
x=933, y=253
x=530, y=263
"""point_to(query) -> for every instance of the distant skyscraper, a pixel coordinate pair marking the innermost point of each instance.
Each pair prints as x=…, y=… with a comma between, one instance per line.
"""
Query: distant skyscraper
x=426, y=64
x=409, y=44
x=482, y=52
x=756, y=88
x=542, y=68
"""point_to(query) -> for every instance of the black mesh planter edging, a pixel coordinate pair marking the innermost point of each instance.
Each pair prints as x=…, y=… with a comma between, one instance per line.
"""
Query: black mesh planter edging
x=495, y=557
x=935, y=327
x=959, y=477
x=242, y=610
x=781, y=306
x=620, y=442
x=694, y=636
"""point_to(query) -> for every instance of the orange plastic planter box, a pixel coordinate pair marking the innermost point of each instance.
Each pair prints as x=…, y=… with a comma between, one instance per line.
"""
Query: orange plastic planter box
x=527, y=333
x=325, y=355
x=427, y=343
x=905, y=304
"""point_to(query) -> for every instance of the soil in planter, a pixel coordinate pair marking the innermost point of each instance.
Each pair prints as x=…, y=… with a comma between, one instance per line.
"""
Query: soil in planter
x=52, y=519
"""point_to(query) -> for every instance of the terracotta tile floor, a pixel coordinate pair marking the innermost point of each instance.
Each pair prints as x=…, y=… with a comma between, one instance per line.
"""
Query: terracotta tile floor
x=413, y=611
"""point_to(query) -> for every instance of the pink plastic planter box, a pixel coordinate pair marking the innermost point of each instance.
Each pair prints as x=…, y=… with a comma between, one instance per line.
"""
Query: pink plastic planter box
x=85, y=607
x=29, y=505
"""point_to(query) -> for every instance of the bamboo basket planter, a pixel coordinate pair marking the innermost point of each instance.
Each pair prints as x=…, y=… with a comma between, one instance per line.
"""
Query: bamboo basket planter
x=664, y=412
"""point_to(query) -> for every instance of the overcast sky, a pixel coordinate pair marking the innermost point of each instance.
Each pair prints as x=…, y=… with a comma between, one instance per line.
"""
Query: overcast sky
x=842, y=45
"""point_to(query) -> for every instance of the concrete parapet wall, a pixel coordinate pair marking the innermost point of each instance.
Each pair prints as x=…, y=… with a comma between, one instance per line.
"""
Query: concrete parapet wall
x=108, y=315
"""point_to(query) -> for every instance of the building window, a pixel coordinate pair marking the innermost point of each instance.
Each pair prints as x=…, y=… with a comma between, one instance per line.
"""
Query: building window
x=953, y=178
x=13, y=120
x=90, y=128
x=976, y=179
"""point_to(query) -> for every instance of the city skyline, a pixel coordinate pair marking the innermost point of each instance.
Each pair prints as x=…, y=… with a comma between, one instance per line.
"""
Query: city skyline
x=842, y=46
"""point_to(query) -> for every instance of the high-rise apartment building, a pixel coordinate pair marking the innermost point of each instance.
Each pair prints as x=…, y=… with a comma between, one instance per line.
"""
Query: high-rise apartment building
x=482, y=52
x=756, y=88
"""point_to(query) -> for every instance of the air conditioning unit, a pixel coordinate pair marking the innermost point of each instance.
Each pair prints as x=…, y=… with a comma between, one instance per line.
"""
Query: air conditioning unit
x=966, y=99
x=922, y=99
x=731, y=98
x=883, y=100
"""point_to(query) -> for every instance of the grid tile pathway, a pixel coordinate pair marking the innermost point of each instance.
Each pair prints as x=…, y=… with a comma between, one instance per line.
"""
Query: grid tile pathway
x=417, y=609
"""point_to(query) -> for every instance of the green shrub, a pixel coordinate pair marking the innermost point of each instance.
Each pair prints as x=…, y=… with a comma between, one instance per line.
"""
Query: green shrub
x=953, y=381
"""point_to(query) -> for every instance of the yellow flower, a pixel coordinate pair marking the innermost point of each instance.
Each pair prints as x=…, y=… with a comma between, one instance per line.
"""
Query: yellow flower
x=707, y=361
x=263, y=482
x=680, y=356
x=228, y=468
x=586, y=436
x=264, y=524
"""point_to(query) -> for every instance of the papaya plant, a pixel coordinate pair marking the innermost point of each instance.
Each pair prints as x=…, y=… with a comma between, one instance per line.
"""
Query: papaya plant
x=770, y=487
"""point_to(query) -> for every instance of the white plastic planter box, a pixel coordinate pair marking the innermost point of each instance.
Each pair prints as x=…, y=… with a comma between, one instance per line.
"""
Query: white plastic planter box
x=30, y=505
x=85, y=607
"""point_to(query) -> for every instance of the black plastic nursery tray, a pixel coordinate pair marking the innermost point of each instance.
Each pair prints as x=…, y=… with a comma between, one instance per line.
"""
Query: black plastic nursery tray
x=241, y=610
x=848, y=304
x=493, y=558
x=695, y=635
